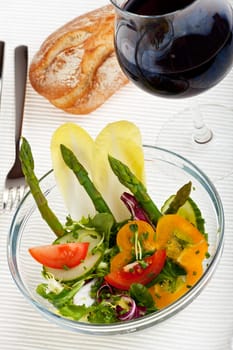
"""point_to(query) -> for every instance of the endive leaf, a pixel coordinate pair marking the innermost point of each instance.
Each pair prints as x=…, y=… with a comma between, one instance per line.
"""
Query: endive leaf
x=79, y=141
x=122, y=140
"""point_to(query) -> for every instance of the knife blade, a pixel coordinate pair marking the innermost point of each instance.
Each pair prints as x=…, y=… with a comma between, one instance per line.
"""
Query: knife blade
x=2, y=47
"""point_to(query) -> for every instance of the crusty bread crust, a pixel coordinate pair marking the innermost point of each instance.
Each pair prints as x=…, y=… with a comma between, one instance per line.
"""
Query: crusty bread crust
x=76, y=68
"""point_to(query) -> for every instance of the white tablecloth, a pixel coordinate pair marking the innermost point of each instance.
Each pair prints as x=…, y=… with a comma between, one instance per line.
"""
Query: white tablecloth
x=206, y=324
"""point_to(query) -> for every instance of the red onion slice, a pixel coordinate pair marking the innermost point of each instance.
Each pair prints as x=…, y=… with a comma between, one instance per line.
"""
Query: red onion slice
x=134, y=311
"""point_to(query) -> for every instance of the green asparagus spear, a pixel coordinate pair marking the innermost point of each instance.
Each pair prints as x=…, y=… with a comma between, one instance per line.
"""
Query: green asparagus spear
x=27, y=163
x=179, y=199
x=84, y=180
x=129, y=180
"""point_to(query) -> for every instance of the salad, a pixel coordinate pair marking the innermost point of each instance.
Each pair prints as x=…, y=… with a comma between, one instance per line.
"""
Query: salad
x=132, y=257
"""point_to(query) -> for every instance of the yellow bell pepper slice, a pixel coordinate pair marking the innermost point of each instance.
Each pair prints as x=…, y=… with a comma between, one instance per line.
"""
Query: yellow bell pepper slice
x=185, y=245
x=131, y=242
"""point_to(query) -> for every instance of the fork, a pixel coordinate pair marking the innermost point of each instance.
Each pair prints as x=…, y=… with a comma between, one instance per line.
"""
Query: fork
x=15, y=185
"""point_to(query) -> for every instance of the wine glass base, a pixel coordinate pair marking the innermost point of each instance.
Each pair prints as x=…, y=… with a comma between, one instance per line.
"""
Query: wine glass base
x=215, y=157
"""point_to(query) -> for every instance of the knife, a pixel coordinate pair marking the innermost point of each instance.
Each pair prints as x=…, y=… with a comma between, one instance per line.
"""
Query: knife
x=2, y=46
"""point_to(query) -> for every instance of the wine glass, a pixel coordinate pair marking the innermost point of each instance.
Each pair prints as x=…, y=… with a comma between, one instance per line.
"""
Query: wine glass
x=178, y=49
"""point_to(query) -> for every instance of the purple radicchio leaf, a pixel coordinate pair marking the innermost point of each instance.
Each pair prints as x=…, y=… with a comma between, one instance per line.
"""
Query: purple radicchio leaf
x=134, y=207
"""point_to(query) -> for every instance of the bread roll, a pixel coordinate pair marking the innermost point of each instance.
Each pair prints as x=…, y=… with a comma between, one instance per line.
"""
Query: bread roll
x=76, y=68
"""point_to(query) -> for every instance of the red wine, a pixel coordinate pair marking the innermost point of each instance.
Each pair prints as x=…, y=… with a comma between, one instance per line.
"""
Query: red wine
x=155, y=7
x=179, y=55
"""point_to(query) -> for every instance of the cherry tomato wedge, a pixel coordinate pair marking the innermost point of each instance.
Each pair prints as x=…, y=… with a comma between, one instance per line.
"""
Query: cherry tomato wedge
x=59, y=256
x=138, y=272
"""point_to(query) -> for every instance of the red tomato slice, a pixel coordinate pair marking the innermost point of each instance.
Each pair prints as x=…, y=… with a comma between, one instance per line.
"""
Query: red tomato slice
x=136, y=273
x=59, y=256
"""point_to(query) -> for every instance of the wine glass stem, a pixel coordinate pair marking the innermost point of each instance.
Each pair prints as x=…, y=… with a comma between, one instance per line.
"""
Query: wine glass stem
x=202, y=134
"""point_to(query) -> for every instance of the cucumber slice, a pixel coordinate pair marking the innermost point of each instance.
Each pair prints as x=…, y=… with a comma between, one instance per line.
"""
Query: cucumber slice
x=91, y=261
x=82, y=235
x=190, y=211
x=78, y=272
x=166, y=204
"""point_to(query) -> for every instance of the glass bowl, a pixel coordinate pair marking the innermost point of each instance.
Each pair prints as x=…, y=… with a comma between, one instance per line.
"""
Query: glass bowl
x=166, y=172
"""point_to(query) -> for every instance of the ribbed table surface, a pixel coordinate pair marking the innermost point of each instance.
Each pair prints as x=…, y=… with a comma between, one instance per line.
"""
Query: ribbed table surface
x=207, y=323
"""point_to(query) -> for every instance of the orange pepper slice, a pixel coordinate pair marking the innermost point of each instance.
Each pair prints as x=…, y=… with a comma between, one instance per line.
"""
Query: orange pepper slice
x=126, y=242
x=187, y=246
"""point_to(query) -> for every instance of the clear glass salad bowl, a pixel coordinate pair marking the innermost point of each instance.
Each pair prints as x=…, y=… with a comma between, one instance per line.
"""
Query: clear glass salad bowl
x=165, y=172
